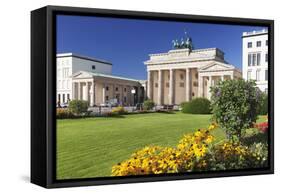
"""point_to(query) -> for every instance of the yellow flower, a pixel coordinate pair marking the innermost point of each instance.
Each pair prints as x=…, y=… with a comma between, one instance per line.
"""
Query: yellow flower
x=209, y=139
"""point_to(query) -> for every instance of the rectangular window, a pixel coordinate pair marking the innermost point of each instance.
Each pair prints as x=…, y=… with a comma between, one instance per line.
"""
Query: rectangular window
x=68, y=97
x=156, y=85
x=250, y=44
x=195, y=84
x=181, y=84
x=125, y=89
x=63, y=72
x=106, y=88
x=266, y=75
x=93, y=67
x=59, y=73
x=63, y=98
x=249, y=59
x=258, y=75
x=266, y=42
x=258, y=58
x=106, y=98
x=254, y=59
x=266, y=57
x=181, y=76
x=249, y=75
x=116, y=89
x=125, y=99
x=58, y=97
x=167, y=85
x=258, y=43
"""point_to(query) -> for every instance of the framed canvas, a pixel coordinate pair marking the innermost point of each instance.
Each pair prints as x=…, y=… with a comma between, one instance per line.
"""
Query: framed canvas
x=125, y=96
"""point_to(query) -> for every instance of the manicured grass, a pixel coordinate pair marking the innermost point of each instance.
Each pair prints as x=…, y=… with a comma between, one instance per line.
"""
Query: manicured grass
x=90, y=147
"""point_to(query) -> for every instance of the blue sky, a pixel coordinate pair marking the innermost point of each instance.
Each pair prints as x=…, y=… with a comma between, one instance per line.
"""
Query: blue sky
x=127, y=42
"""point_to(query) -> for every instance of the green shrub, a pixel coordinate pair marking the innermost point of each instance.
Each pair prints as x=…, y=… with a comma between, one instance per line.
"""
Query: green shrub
x=196, y=106
x=229, y=155
x=148, y=105
x=78, y=107
x=234, y=104
x=263, y=104
x=64, y=113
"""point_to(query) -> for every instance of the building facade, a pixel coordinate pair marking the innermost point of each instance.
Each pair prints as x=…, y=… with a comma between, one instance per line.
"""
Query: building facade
x=68, y=64
x=99, y=89
x=182, y=74
x=255, y=57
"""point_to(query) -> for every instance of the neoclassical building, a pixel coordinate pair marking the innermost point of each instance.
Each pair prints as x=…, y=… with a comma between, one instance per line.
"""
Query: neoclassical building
x=99, y=89
x=87, y=78
x=182, y=74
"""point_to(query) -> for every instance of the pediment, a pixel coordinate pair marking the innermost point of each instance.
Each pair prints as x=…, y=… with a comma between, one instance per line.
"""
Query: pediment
x=82, y=74
x=217, y=67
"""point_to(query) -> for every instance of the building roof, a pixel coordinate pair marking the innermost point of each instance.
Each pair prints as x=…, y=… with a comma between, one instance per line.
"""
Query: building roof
x=254, y=33
x=61, y=55
x=87, y=74
x=185, y=55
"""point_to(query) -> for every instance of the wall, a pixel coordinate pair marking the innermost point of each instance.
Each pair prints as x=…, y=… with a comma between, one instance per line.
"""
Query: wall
x=15, y=121
x=262, y=83
x=86, y=65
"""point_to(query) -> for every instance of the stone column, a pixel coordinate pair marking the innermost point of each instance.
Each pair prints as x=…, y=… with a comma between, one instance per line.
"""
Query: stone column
x=187, y=85
x=159, y=87
x=73, y=91
x=171, y=87
x=129, y=95
x=200, y=86
x=103, y=94
x=79, y=91
x=113, y=91
x=92, y=103
x=139, y=94
x=149, y=83
x=87, y=91
x=209, y=86
x=231, y=76
x=222, y=77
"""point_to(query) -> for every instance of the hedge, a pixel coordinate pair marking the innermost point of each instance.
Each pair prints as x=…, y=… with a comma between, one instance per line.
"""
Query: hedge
x=196, y=106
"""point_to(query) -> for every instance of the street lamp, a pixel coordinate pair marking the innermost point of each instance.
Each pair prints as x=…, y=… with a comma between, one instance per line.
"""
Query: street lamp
x=133, y=91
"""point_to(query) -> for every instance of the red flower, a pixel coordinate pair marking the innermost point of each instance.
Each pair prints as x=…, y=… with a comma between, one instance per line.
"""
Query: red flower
x=263, y=127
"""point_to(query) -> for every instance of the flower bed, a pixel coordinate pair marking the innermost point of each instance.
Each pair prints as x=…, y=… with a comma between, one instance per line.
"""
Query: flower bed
x=194, y=152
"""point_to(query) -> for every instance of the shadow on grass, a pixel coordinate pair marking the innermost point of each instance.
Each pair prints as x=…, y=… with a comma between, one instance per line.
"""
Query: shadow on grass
x=256, y=138
x=166, y=112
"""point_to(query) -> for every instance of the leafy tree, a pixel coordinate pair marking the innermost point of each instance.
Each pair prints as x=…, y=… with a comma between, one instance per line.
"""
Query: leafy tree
x=234, y=104
x=263, y=104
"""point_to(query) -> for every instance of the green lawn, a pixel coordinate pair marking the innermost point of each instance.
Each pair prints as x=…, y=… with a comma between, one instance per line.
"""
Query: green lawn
x=90, y=147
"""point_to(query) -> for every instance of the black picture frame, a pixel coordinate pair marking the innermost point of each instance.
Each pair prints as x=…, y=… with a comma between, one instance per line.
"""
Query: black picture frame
x=43, y=90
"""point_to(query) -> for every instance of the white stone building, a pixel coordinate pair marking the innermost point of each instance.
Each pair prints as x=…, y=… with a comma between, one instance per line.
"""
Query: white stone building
x=99, y=89
x=68, y=64
x=255, y=57
x=183, y=74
